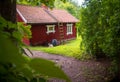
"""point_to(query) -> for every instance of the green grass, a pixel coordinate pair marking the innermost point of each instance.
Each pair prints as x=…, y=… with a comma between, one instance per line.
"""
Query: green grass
x=70, y=48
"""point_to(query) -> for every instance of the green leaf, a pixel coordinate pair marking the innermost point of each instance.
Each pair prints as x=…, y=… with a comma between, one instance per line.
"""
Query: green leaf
x=3, y=23
x=38, y=80
x=47, y=68
x=17, y=35
x=11, y=25
x=9, y=52
x=24, y=30
x=2, y=69
x=25, y=71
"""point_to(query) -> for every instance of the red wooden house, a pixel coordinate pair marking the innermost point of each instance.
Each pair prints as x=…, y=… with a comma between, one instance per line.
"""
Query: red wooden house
x=47, y=24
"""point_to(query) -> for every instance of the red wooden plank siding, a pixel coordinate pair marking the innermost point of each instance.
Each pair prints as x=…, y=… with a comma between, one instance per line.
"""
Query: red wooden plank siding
x=70, y=36
x=39, y=35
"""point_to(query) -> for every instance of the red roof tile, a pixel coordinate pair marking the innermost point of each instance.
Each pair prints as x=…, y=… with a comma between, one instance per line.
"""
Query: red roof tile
x=35, y=14
x=63, y=16
x=39, y=15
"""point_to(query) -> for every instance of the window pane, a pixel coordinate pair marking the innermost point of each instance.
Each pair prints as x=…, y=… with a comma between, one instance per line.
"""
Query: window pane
x=69, y=28
x=50, y=28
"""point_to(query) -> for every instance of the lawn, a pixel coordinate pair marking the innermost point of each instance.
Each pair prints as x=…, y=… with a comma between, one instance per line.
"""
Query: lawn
x=70, y=48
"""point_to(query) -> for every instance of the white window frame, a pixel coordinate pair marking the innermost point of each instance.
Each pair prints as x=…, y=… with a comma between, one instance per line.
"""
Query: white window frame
x=69, y=29
x=48, y=29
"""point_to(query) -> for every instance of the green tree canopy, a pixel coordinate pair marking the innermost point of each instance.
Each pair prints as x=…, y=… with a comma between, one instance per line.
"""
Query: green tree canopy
x=100, y=28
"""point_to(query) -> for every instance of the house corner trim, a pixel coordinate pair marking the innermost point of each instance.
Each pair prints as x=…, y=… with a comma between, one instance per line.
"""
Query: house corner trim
x=22, y=16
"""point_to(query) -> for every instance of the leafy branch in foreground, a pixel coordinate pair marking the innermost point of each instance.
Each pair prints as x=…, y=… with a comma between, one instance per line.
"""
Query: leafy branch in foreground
x=16, y=67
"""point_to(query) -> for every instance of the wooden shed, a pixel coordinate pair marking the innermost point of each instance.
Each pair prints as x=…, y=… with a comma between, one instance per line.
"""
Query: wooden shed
x=47, y=24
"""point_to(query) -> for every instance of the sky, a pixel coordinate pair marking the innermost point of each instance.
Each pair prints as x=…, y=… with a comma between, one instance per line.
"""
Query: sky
x=79, y=1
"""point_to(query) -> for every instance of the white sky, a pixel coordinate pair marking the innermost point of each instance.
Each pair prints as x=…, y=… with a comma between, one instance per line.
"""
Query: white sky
x=79, y=1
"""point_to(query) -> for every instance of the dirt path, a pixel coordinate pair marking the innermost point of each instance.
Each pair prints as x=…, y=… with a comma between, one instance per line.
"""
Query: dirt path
x=78, y=71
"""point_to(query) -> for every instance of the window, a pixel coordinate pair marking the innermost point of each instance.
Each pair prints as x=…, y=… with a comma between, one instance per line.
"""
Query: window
x=50, y=29
x=69, y=29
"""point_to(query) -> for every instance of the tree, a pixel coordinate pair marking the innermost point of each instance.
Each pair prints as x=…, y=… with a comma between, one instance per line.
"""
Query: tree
x=70, y=6
x=8, y=10
x=100, y=28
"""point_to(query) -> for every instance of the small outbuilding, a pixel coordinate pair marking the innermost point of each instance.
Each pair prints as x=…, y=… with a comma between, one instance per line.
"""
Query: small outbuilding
x=47, y=24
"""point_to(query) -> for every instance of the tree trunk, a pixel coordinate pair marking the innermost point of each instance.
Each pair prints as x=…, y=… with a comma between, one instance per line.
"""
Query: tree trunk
x=8, y=10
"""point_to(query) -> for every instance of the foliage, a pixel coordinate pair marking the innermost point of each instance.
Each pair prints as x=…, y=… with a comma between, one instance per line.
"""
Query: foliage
x=49, y=3
x=100, y=29
x=15, y=31
x=14, y=66
x=70, y=6
x=36, y=2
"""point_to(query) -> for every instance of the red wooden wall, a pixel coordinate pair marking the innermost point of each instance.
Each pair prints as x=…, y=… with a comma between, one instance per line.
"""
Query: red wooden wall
x=39, y=35
x=70, y=36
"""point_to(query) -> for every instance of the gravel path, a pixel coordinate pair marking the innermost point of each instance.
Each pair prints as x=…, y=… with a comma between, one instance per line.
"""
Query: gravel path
x=78, y=71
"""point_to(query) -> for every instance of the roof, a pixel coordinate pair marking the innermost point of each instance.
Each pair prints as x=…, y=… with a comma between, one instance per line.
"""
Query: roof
x=34, y=14
x=63, y=16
